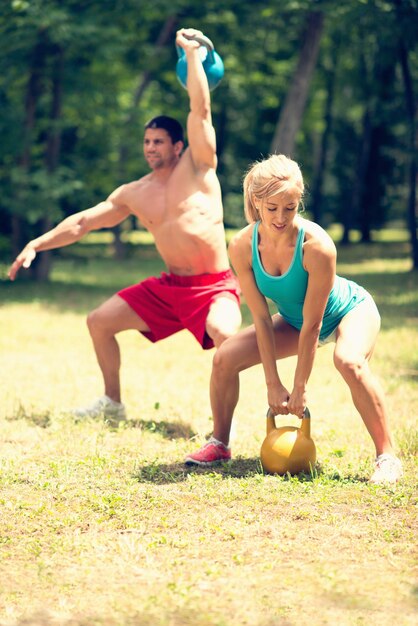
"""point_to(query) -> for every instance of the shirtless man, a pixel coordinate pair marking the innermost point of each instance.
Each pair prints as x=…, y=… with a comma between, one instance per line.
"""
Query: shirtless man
x=180, y=203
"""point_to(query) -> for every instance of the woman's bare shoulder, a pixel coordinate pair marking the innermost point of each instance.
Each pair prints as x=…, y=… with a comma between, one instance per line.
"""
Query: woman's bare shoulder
x=317, y=237
x=240, y=244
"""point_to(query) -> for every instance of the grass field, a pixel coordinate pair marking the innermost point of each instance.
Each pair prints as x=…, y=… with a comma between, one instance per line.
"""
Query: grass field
x=107, y=527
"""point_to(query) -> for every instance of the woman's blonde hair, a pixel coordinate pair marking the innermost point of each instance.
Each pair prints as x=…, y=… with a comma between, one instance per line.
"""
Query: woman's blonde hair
x=276, y=174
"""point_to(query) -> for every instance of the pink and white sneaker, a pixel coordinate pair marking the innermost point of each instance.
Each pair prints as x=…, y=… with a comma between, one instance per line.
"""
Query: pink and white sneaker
x=388, y=470
x=212, y=453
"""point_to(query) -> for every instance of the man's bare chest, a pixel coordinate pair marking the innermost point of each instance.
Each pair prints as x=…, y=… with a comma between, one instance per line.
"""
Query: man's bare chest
x=156, y=206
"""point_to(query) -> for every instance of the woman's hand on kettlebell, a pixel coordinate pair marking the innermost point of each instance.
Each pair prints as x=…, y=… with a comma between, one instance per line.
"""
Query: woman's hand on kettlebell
x=297, y=402
x=277, y=399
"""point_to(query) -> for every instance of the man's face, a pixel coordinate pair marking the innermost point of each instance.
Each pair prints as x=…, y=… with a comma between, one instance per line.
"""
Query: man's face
x=159, y=150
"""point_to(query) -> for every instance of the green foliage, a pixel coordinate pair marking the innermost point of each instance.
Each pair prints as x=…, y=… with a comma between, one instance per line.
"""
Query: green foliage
x=107, y=51
x=39, y=189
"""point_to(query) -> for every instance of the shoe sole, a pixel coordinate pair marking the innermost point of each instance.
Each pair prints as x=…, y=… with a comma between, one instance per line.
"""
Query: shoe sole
x=385, y=482
x=190, y=462
x=114, y=422
x=115, y=419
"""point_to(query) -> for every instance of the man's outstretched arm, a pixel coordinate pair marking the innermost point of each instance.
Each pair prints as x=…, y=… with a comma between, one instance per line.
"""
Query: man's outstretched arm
x=104, y=215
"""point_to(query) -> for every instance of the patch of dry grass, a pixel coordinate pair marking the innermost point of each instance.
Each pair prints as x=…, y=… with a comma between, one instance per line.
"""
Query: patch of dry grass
x=108, y=527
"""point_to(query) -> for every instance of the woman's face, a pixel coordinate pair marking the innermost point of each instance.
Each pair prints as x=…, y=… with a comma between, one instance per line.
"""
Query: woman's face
x=279, y=211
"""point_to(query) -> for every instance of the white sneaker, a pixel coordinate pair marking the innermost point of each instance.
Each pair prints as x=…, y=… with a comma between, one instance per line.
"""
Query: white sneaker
x=388, y=470
x=103, y=407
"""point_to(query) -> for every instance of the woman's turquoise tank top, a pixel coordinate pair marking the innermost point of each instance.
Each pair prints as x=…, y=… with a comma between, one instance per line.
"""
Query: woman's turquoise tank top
x=288, y=291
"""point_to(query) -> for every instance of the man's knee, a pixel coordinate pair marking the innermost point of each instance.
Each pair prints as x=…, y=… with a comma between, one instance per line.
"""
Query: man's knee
x=94, y=320
x=219, y=335
x=102, y=318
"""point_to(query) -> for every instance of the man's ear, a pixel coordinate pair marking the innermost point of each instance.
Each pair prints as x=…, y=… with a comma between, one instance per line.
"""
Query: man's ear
x=179, y=147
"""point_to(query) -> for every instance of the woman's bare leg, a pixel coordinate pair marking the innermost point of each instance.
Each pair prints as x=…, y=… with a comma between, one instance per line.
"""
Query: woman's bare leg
x=356, y=338
x=235, y=355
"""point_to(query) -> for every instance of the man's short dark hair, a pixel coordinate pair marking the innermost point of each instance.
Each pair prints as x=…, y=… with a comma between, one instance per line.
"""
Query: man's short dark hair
x=172, y=126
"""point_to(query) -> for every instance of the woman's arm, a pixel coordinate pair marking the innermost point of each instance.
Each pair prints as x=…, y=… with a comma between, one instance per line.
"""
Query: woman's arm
x=240, y=255
x=320, y=263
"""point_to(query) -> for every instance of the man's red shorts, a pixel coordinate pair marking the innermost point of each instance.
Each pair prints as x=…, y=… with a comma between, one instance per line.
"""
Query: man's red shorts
x=171, y=303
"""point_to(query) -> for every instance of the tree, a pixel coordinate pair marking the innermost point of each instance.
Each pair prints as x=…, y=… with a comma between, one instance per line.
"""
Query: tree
x=320, y=164
x=291, y=114
x=165, y=36
x=410, y=105
x=369, y=156
x=78, y=81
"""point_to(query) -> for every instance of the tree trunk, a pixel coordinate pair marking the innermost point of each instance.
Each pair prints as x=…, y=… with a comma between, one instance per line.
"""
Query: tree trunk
x=413, y=147
x=33, y=92
x=320, y=164
x=144, y=80
x=43, y=266
x=359, y=176
x=292, y=112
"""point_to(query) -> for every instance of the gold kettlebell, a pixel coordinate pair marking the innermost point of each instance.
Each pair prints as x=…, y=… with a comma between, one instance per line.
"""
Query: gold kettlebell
x=289, y=448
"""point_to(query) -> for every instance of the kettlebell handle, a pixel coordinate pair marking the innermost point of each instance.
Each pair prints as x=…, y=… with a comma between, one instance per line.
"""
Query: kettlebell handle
x=306, y=413
x=305, y=425
x=204, y=41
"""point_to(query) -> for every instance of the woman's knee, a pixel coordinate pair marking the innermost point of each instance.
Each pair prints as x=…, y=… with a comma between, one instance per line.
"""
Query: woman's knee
x=223, y=363
x=353, y=369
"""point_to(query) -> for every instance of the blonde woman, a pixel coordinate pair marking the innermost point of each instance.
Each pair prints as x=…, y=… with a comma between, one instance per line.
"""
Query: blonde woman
x=282, y=256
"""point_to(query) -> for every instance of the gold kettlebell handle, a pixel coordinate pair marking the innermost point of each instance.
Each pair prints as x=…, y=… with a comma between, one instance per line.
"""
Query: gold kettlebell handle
x=306, y=413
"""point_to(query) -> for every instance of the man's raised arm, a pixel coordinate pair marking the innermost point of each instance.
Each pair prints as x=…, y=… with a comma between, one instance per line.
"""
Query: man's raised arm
x=200, y=132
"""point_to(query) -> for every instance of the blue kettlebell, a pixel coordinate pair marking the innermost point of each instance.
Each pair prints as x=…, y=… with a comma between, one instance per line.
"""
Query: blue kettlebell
x=211, y=61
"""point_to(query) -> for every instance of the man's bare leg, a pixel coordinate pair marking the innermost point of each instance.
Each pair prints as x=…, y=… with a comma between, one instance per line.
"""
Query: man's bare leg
x=110, y=318
x=223, y=320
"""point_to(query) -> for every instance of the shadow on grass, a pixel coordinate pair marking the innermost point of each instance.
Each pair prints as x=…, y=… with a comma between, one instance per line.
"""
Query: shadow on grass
x=59, y=296
x=167, y=473
x=177, y=472
x=85, y=276
x=181, y=616
x=168, y=430
x=78, y=284
x=36, y=418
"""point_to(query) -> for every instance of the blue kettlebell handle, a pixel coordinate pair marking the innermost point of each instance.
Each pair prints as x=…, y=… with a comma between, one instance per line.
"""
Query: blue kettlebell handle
x=204, y=41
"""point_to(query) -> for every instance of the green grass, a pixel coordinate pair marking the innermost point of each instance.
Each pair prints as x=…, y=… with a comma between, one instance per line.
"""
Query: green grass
x=102, y=526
